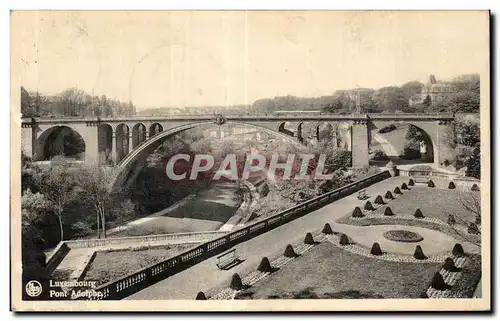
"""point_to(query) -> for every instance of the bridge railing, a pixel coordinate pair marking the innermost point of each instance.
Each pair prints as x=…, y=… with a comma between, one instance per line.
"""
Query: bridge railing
x=139, y=280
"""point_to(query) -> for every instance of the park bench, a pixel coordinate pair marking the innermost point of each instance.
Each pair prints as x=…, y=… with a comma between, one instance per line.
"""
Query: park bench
x=228, y=260
x=362, y=194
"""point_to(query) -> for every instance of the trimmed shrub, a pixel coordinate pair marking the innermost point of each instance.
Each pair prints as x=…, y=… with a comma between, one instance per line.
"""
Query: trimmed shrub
x=357, y=212
x=236, y=283
x=201, y=296
x=418, y=214
x=309, y=239
x=379, y=200
x=451, y=185
x=404, y=186
x=344, y=240
x=424, y=295
x=388, y=211
x=449, y=265
x=376, y=250
x=431, y=183
x=289, y=251
x=411, y=182
x=419, y=253
x=438, y=282
x=451, y=219
x=369, y=206
x=265, y=265
x=474, y=188
x=327, y=229
x=458, y=250
x=397, y=190
x=389, y=195
x=473, y=229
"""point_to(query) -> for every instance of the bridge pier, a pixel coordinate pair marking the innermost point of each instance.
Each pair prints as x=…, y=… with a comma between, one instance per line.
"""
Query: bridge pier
x=359, y=144
x=90, y=135
x=114, y=151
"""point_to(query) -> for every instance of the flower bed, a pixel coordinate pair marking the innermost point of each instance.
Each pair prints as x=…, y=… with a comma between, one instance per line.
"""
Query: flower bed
x=403, y=236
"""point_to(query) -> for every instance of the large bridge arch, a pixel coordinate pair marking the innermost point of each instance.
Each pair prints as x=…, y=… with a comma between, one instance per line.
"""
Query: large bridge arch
x=393, y=142
x=134, y=159
x=59, y=140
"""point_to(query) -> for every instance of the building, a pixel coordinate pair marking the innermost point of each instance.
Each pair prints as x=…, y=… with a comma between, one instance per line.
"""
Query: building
x=434, y=92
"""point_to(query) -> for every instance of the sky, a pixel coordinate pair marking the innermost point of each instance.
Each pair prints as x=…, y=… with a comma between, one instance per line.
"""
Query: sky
x=214, y=58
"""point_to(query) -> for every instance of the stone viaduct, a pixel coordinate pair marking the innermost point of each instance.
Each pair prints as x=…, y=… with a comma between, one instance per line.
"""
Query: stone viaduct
x=122, y=139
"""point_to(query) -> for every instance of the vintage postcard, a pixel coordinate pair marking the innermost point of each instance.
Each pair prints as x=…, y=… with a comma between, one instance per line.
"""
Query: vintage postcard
x=250, y=160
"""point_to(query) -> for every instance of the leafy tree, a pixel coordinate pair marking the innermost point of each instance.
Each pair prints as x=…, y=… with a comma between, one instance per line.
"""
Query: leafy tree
x=412, y=88
x=390, y=99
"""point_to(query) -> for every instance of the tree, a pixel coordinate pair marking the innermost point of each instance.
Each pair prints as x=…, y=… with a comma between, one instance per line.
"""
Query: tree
x=26, y=110
x=427, y=101
x=57, y=186
x=471, y=203
x=390, y=99
x=412, y=88
x=95, y=187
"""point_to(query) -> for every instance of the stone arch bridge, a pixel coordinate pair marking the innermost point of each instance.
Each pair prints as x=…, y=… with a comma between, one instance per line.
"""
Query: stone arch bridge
x=122, y=139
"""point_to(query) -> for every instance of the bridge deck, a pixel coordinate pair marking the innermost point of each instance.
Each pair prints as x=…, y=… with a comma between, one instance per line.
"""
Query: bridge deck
x=248, y=117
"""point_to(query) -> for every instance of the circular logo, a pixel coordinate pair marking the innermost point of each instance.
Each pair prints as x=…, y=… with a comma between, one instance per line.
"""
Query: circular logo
x=33, y=288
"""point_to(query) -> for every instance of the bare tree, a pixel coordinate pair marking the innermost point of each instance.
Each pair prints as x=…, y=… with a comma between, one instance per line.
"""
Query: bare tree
x=95, y=187
x=57, y=186
x=470, y=202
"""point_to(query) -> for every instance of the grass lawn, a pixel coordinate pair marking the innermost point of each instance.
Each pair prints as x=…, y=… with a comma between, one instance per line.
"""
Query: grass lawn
x=433, y=202
x=206, y=211
x=110, y=265
x=330, y=272
x=475, y=239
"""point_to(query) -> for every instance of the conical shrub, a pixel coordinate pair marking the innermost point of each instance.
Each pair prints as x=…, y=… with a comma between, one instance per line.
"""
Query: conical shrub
x=236, y=283
x=451, y=219
x=419, y=253
x=473, y=229
x=438, y=282
x=474, y=188
x=404, y=186
x=376, y=250
x=431, y=184
x=449, y=265
x=458, y=250
x=327, y=229
x=478, y=220
x=265, y=265
x=289, y=251
x=344, y=240
x=451, y=185
x=309, y=239
x=201, y=296
x=397, y=190
x=388, y=211
x=379, y=200
x=369, y=206
x=357, y=212
x=418, y=213
x=389, y=195
x=411, y=182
